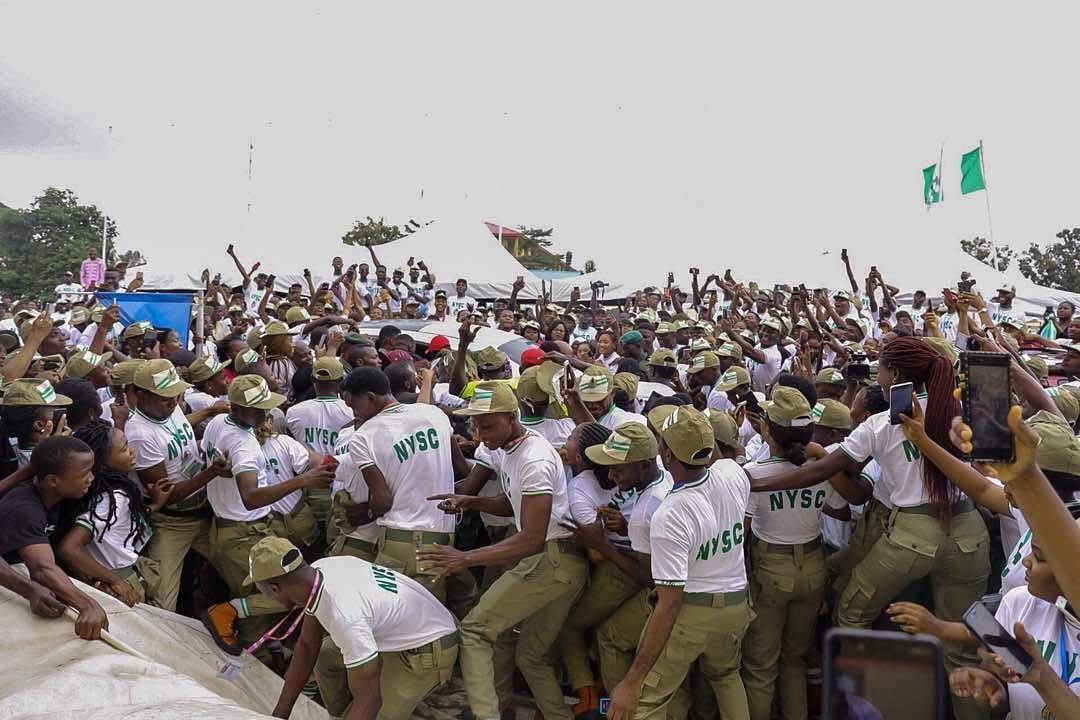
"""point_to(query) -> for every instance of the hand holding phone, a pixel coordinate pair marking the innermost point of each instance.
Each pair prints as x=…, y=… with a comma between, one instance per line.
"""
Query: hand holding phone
x=982, y=624
x=901, y=399
x=987, y=397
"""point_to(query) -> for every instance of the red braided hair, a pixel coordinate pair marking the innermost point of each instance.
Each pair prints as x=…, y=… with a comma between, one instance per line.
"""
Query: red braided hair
x=917, y=361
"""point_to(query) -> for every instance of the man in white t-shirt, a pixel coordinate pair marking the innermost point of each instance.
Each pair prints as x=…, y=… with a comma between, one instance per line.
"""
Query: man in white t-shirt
x=69, y=289
x=406, y=454
x=459, y=302
x=763, y=360
x=594, y=396
x=398, y=643
x=208, y=380
x=630, y=455
x=701, y=612
x=549, y=573
x=242, y=503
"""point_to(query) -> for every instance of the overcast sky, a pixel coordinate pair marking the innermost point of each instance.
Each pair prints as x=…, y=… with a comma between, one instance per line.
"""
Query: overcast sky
x=622, y=125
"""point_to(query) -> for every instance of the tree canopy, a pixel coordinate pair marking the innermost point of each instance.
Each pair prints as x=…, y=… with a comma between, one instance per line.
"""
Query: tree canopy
x=1056, y=265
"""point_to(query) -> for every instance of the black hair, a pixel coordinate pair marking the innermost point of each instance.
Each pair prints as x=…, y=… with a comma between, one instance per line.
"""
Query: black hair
x=223, y=345
x=387, y=332
x=622, y=400
x=303, y=385
x=181, y=358
x=366, y=379
x=660, y=401
x=874, y=399
x=665, y=372
x=594, y=433
x=52, y=454
x=792, y=441
x=630, y=365
x=96, y=435
x=397, y=373
x=84, y=398
x=549, y=346
x=803, y=385
x=19, y=421
x=901, y=330
x=405, y=342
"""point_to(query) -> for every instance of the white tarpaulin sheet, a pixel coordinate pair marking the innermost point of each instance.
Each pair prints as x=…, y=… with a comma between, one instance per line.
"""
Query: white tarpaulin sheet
x=48, y=672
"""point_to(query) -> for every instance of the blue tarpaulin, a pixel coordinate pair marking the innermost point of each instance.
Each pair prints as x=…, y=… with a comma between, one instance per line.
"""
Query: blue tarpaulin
x=162, y=310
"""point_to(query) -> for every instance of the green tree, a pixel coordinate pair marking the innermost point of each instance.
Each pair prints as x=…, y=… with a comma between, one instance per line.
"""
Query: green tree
x=1057, y=265
x=374, y=231
x=39, y=244
x=133, y=258
x=996, y=256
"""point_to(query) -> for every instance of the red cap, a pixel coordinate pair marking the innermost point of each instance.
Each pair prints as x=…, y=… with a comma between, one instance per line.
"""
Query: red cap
x=398, y=354
x=439, y=342
x=531, y=355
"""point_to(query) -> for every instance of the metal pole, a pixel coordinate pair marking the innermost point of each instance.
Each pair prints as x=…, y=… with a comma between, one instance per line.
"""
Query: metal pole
x=104, y=238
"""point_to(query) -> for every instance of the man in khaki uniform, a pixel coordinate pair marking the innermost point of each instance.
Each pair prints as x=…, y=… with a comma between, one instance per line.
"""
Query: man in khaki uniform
x=701, y=611
x=550, y=574
x=398, y=642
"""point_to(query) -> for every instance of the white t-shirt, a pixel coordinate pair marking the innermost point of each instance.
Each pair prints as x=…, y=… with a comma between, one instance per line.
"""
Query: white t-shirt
x=1012, y=575
x=697, y=532
x=586, y=495
x=111, y=547
x=368, y=609
x=580, y=333
x=555, y=431
x=285, y=459
x=531, y=466
x=348, y=477
x=763, y=374
x=170, y=441
x=198, y=400
x=410, y=444
x=616, y=416
x=318, y=423
x=648, y=501
x=1047, y=625
x=72, y=292
x=787, y=517
x=898, y=457
x=456, y=304
x=223, y=436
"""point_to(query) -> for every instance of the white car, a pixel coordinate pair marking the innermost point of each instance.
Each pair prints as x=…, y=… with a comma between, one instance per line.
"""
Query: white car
x=422, y=331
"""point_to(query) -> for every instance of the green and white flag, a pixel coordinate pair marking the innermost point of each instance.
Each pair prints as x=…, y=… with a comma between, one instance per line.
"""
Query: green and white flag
x=971, y=171
x=931, y=184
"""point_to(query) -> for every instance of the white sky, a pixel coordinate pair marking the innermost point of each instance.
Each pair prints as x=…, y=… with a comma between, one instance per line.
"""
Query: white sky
x=682, y=127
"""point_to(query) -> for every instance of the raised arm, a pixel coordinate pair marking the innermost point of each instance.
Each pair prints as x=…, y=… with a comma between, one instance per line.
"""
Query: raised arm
x=457, y=372
x=239, y=266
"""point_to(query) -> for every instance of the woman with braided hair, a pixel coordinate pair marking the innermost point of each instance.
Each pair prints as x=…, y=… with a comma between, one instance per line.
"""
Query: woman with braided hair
x=107, y=527
x=934, y=531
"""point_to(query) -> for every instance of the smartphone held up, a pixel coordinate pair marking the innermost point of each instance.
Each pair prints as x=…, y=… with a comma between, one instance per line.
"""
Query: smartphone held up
x=986, y=397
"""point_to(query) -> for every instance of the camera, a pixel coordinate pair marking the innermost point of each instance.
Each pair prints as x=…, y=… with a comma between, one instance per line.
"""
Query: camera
x=599, y=284
x=965, y=285
x=858, y=368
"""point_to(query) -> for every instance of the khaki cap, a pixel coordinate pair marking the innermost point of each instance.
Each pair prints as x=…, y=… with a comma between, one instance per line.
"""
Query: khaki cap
x=1011, y=342
x=789, y=408
x=595, y=383
x=490, y=358
x=725, y=431
x=33, y=391
x=663, y=358
x=546, y=374
x=1066, y=402
x=687, y=433
x=664, y=328
x=253, y=392
x=699, y=344
x=489, y=397
x=82, y=362
x=79, y=314
x=1059, y=449
x=1037, y=365
x=203, y=368
x=272, y=557
x=944, y=348
x=735, y=376
x=137, y=329
x=296, y=314
x=731, y=350
x=276, y=327
x=626, y=381
x=530, y=324
x=528, y=386
x=829, y=376
x=123, y=373
x=702, y=361
x=246, y=359
x=327, y=368
x=832, y=414
x=775, y=323
x=630, y=442
x=161, y=378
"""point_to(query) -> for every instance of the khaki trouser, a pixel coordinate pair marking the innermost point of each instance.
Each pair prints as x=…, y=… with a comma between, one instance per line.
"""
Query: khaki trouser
x=712, y=636
x=609, y=587
x=787, y=585
x=537, y=592
x=130, y=575
x=362, y=549
x=397, y=551
x=300, y=526
x=617, y=638
x=869, y=526
x=914, y=546
x=162, y=561
x=405, y=678
x=506, y=642
x=230, y=544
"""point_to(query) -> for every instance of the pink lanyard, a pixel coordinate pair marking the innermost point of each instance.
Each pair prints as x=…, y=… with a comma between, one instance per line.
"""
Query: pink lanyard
x=269, y=634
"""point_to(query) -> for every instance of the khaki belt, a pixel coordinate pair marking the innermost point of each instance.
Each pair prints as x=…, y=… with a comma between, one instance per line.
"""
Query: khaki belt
x=226, y=522
x=422, y=536
x=790, y=549
x=958, y=508
x=716, y=600
x=361, y=545
x=127, y=573
x=568, y=546
x=445, y=642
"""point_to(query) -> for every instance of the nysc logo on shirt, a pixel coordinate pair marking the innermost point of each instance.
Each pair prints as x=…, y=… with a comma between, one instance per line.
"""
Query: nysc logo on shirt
x=328, y=438
x=384, y=578
x=804, y=499
x=178, y=438
x=419, y=441
x=725, y=542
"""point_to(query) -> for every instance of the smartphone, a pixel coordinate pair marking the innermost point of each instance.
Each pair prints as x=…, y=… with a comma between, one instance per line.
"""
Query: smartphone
x=901, y=397
x=982, y=624
x=986, y=400
x=949, y=295
x=887, y=675
x=604, y=703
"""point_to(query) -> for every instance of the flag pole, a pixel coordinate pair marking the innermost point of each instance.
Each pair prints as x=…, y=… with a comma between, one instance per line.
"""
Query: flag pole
x=986, y=192
x=941, y=172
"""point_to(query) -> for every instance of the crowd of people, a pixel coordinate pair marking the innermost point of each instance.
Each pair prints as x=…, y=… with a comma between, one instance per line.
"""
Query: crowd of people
x=662, y=503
